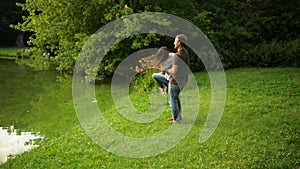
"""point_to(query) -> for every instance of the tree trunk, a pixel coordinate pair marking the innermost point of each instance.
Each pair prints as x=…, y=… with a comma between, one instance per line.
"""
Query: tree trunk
x=20, y=40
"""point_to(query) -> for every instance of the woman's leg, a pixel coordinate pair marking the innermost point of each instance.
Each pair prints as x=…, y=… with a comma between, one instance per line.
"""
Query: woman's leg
x=160, y=80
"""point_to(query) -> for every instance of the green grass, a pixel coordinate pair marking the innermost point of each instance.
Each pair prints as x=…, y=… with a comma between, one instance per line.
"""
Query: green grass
x=9, y=52
x=259, y=127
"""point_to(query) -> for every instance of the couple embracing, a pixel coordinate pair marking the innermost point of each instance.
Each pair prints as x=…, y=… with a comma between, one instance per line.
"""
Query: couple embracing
x=173, y=73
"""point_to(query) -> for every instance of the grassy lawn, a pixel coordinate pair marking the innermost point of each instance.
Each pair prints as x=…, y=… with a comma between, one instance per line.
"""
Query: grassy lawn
x=259, y=127
x=9, y=52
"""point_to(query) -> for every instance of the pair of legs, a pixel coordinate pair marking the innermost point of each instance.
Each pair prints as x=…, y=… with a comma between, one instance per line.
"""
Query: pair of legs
x=173, y=95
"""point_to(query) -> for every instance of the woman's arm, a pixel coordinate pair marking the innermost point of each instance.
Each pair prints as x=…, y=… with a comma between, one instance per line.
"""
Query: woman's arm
x=173, y=70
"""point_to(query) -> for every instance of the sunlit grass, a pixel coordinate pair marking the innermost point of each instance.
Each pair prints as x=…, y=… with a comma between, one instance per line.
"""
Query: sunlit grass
x=259, y=127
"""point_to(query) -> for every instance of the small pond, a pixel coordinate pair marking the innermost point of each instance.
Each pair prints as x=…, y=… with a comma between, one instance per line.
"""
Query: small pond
x=21, y=88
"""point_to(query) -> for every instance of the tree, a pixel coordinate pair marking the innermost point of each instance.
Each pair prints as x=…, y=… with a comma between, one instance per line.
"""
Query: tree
x=237, y=27
x=62, y=27
x=234, y=27
x=10, y=14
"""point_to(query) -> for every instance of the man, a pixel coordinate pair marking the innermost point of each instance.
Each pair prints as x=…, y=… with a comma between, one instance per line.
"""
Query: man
x=178, y=77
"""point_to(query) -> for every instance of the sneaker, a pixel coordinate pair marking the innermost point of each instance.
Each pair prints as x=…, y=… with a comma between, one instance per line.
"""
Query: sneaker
x=170, y=119
x=177, y=122
x=174, y=122
x=171, y=122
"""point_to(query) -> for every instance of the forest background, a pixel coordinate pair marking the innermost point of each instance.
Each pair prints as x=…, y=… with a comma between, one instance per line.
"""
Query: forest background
x=250, y=33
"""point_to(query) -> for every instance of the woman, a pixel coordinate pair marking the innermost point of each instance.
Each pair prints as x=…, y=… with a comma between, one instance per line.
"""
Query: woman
x=160, y=60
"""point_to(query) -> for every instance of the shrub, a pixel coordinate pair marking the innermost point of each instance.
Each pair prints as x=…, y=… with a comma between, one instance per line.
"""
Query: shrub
x=143, y=82
x=275, y=53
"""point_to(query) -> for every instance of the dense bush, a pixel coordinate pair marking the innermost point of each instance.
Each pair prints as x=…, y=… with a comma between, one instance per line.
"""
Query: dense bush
x=245, y=33
x=239, y=29
x=275, y=53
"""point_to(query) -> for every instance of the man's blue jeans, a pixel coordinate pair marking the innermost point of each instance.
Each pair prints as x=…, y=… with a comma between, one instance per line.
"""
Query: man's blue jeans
x=161, y=80
x=174, y=101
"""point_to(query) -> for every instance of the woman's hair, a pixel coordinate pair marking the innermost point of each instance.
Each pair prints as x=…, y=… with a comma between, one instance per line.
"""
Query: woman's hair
x=154, y=61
